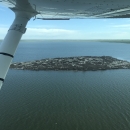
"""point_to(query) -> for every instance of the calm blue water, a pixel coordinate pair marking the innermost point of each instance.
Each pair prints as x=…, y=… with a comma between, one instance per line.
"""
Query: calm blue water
x=66, y=100
x=32, y=50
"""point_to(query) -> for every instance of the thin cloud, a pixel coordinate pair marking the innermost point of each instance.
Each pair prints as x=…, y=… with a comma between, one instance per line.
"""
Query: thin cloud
x=50, y=30
x=121, y=26
x=3, y=30
x=44, y=33
x=122, y=35
x=41, y=26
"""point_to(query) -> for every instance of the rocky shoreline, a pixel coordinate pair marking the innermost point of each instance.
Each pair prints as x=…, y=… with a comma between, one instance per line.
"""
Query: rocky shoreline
x=81, y=63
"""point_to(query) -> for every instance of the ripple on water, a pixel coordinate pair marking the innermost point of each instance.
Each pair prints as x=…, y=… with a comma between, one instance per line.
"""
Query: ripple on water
x=65, y=100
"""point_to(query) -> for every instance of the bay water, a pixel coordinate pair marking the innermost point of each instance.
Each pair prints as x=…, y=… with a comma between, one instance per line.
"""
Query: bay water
x=66, y=100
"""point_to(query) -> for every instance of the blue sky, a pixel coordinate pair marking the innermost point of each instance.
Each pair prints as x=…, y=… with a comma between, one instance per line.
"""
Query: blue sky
x=71, y=29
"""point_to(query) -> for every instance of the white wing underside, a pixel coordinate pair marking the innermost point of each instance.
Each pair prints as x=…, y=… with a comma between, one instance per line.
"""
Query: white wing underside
x=73, y=9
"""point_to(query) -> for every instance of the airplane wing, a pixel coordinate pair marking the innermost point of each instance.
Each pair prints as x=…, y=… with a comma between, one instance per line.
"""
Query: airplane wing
x=73, y=9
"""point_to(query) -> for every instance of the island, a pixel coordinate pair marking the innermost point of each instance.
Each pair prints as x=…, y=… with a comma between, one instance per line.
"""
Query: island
x=80, y=63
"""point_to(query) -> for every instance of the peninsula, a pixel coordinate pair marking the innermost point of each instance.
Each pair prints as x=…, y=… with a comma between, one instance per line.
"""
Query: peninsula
x=81, y=63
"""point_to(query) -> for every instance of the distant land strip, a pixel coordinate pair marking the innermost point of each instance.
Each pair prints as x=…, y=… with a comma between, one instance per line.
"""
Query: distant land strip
x=80, y=63
x=87, y=40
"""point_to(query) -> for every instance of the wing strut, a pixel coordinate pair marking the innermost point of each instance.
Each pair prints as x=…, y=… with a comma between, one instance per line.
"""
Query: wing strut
x=11, y=40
